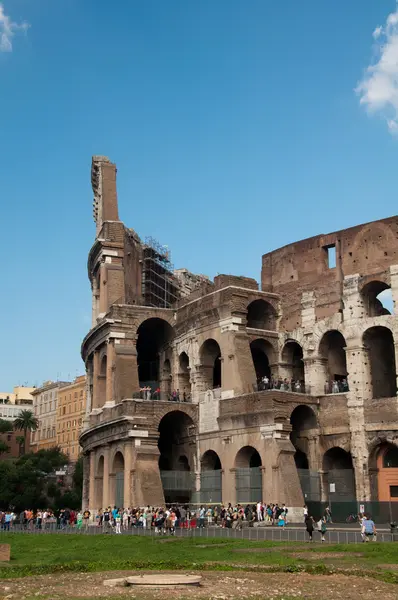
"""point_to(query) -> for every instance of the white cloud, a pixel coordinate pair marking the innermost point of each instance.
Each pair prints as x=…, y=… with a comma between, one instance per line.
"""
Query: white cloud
x=378, y=89
x=8, y=28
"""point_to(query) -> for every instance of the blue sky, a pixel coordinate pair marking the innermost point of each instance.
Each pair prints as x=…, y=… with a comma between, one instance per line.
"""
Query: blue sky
x=235, y=126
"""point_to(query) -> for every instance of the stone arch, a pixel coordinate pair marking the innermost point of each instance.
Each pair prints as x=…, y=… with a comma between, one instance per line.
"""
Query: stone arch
x=338, y=469
x=176, y=429
x=210, y=461
x=210, y=364
x=154, y=335
x=248, y=471
x=293, y=365
x=379, y=344
x=263, y=357
x=332, y=352
x=303, y=420
x=117, y=478
x=261, y=315
x=166, y=378
x=184, y=378
x=210, y=477
x=101, y=379
x=374, y=295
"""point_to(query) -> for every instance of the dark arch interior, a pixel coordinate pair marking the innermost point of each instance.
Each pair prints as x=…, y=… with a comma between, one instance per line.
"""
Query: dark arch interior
x=337, y=458
x=210, y=357
x=153, y=336
x=372, y=304
x=301, y=460
x=100, y=471
x=292, y=356
x=379, y=343
x=210, y=461
x=248, y=457
x=261, y=315
x=174, y=459
x=302, y=418
x=173, y=431
x=261, y=352
x=332, y=347
x=390, y=458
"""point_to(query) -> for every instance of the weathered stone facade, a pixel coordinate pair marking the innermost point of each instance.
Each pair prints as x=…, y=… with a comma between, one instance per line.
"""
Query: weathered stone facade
x=317, y=330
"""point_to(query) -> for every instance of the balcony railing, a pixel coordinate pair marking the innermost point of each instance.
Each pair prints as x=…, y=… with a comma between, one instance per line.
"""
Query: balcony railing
x=298, y=387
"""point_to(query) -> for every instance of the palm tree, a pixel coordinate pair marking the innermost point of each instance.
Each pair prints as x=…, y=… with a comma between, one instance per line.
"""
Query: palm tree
x=21, y=443
x=26, y=421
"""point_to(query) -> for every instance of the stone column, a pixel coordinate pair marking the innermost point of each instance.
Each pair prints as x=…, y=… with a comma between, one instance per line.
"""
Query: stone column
x=127, y=474
x=360, y=392
x=106, y=482
x=91, y=488
x=229, y=487
x=126, y=369
x=110, y=362
x=394, y=288
x=315, y=374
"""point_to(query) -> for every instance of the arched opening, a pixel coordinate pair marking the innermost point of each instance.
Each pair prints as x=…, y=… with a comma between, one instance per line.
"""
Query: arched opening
x=303, y=421
x=332, y=350
x=293, y=365
x=153, y=337
x=99, y=484
x=176, y=431
x=262, y=355
x=118, y=472
x=210, y=478
x=379, y=343
x=248, y=475
x=301, y=460
x=210, y=364
x=339, y=476
x=101, y=382
x=387, y=474
x=377, y=299
x=261, y=315
x=184, y=381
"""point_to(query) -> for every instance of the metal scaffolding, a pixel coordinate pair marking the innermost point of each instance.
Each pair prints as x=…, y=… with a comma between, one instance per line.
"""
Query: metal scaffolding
x=159, y=285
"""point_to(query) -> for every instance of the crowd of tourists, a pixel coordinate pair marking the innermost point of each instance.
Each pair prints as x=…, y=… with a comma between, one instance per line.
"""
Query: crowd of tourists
x=147, y=393
x=335, y=386
x=44, y=519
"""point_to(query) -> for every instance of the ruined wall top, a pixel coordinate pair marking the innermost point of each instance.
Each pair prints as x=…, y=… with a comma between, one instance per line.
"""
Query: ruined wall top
x=103, y=181
x=366, y=250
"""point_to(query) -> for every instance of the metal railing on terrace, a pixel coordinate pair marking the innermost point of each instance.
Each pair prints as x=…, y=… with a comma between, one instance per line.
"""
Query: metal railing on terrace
x=149, y=395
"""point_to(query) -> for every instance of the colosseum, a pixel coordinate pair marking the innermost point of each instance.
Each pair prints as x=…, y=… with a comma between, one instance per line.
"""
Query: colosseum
x=217, y=391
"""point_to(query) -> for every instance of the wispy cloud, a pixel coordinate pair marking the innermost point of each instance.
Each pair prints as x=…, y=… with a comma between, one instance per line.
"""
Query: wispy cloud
x=378, y=89
x=8, y=28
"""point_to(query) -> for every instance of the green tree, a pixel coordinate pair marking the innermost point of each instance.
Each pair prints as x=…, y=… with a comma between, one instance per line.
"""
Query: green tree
x=77, y=477
x=26, y=421
x=3, y=448
x=5, y=426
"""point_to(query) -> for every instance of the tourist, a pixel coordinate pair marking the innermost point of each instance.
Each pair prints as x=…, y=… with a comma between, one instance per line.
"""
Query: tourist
x=321, y=525
x=118, y=521
x=305, y=511
x=368, y=529
x=86, y=519
x=309, y=525
x=79, y=520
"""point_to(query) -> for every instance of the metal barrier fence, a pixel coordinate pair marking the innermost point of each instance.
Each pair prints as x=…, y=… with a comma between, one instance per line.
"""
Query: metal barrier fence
x=255, y=534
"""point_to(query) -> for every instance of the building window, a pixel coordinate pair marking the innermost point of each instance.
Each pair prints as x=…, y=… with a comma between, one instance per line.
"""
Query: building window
x=394, y=491
x=331, y=256
x=64, y=410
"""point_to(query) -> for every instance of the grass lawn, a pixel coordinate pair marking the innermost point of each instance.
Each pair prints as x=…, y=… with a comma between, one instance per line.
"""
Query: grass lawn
x=81, y=560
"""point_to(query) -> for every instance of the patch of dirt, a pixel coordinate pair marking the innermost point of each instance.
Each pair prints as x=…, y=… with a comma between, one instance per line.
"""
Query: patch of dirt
x=391, y=567
x=272, y=549
x=323, y=555
x=215, y=586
